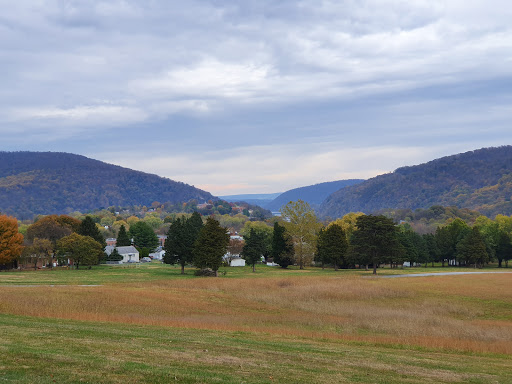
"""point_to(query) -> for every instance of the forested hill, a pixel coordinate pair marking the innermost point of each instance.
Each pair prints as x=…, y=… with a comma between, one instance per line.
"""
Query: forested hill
x=312, y=194
x=480, y=180
x=49, y=182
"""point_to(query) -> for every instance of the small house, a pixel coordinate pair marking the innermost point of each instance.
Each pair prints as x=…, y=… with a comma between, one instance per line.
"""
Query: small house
x=129, y=253
x=237, y=262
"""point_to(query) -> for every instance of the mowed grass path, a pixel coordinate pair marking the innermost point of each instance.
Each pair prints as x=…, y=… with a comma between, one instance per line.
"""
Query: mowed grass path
x=149, y=324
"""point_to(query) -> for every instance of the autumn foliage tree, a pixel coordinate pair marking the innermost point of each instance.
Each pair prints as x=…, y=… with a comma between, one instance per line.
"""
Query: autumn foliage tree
x=302, y=225
x=53, y=228
x=83, y=250
x=40, y=250
x=11, y=241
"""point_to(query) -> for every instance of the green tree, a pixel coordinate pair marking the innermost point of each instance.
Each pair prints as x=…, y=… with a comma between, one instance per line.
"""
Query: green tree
x=504, y=248
x=448, y=237
x=265, y=232
x=282, y=251
x=114, y=256
x=123, y=240
x=181, y=237
x=432, y=250
x=211, y=245
x=472, y=250
x=254, y=247
x=302, y=225
x=375, y=241
x=88, y=228
x=153, y=220
x=332, y=246
x=83, y=250
x=144, y=236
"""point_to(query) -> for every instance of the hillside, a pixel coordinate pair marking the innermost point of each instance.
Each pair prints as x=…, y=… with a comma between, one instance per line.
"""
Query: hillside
x=48, y=182
x=312, y=194
x=480, y=180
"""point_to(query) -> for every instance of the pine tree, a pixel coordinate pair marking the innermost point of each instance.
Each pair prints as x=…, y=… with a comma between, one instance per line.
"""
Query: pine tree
x=123, y=240
x=144, y=236
x=282, y=251
x=181, y=237
x=375, y=241
x=88, y=228
x=254, y=248
x=114, y=256
x=332, y=246
x=472, y=250
x=211, y=245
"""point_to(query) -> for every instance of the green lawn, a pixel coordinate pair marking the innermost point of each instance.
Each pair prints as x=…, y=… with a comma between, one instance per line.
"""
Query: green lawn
x=48, y=351
x=111, y=274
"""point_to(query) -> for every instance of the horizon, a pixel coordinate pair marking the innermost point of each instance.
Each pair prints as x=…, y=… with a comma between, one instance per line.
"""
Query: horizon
x=256, y=97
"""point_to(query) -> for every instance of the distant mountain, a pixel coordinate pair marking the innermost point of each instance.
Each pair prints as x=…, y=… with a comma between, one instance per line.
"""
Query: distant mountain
x=313, y=194
x=260, y=199
x=480, y=180
x=50, y=182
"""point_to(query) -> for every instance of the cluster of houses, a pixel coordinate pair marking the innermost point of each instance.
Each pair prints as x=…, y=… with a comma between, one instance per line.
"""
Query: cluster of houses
x=130, y=254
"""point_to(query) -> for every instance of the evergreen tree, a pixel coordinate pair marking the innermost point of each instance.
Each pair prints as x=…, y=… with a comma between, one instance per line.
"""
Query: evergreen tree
x=195, y=224
x=123, y=240
x=504, y=248
x=211, y=245
x=448, y=237
x=472, y=250
x=254, y=248
x=432, y=250
x=88, y=228
x=114, y=256
x=282, y=251
x=144, y=236
x=332, y=246
x=181, y=236
x=375, y=241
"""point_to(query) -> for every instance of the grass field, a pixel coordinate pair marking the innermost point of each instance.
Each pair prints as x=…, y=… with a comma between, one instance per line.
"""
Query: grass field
x=149, y=324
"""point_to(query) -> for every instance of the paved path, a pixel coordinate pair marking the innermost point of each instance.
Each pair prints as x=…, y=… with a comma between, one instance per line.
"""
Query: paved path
x=50, y=285
x=437, y=274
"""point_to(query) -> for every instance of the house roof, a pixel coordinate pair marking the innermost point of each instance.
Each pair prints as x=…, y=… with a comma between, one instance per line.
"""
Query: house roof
x=126, y=250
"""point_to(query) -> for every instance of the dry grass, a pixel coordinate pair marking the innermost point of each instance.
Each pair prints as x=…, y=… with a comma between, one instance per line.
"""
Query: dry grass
x=467, y=313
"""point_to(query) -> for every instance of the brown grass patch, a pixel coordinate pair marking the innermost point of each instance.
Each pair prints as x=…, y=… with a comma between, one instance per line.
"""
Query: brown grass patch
x=426, y=312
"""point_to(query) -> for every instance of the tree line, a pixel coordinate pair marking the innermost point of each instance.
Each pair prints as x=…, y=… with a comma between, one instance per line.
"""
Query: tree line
x=297, y=238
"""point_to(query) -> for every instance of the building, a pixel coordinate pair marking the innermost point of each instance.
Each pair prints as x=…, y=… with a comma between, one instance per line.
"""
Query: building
x=158, y=254
x=161, y=239
x=111, y=241
x=129, y=254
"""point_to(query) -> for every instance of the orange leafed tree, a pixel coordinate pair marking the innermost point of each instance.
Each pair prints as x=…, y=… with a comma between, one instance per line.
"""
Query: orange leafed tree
x=11, y=241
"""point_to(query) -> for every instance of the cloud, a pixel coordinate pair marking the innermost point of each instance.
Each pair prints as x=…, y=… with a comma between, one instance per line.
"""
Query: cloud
x=285, y=78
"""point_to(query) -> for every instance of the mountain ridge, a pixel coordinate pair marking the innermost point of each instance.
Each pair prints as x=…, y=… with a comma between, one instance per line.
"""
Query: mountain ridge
x=59, y=182
x=314, y=194
x=479, y=179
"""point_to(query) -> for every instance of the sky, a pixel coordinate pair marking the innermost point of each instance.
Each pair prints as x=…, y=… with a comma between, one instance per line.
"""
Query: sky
x=256, y=96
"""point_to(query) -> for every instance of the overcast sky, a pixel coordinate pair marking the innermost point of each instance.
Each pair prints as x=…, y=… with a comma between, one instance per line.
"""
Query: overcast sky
x=256, y=96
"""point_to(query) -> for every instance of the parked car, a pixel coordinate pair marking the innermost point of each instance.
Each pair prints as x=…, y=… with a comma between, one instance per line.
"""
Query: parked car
x=145, y=260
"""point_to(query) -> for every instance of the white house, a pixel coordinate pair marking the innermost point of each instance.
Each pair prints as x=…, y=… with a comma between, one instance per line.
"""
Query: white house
x=158, y=254
x=129, y=254
x=237, y=262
